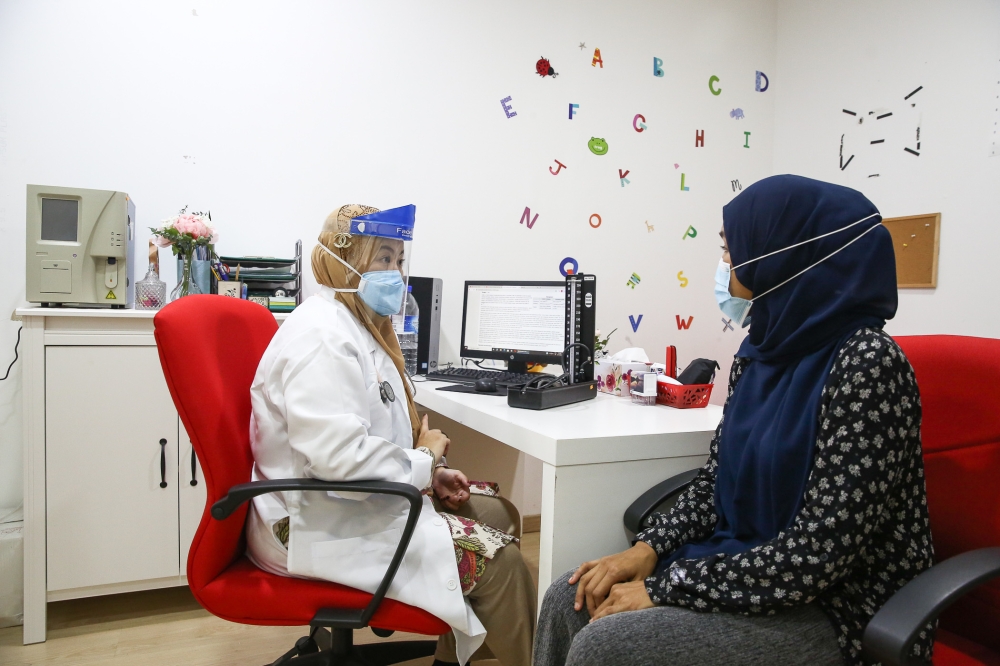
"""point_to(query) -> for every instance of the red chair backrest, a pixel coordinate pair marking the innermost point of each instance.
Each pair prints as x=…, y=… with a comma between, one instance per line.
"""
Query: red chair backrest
x=209, y=348
x=959, y=380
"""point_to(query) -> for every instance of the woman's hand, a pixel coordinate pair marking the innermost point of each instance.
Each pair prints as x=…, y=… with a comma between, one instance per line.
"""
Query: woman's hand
x=597, y=577
x=435, y=440
x=451, y=487
x=629, y=596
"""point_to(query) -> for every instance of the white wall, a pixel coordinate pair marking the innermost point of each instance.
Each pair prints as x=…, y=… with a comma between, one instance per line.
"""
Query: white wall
x=866, y=55
x=287, y=110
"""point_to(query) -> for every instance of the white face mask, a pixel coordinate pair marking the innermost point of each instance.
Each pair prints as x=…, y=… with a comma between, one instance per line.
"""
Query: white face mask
x=738, y=309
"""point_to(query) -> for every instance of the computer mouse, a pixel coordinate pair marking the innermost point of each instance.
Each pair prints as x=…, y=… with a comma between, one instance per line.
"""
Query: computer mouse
x=486, y=386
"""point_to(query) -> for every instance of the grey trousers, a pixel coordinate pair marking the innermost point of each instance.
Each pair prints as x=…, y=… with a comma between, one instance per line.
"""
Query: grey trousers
x=669, y=635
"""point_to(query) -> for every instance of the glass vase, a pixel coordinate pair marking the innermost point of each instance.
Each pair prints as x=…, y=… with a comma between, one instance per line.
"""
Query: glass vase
x=186, y=285
x=151, y=291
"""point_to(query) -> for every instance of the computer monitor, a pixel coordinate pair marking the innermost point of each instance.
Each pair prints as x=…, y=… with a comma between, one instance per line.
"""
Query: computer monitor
x=517, y=322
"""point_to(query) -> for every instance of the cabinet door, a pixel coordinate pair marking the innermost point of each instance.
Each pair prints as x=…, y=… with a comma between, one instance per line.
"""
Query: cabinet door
x=110, y=518
x=192, y=494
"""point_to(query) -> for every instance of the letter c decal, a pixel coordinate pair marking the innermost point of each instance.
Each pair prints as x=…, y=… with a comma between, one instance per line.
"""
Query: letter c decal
x=711, y=85
x=639, y=127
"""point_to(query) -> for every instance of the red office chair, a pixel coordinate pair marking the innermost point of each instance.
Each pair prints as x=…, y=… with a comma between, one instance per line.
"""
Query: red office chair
x=209, y=348
x=959, y=380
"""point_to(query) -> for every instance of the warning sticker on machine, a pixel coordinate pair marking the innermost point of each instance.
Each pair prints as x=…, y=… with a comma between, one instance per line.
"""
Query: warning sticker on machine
x=111, y=296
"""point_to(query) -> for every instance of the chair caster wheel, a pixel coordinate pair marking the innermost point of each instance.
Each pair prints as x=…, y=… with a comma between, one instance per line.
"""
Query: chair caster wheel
x=306, y=645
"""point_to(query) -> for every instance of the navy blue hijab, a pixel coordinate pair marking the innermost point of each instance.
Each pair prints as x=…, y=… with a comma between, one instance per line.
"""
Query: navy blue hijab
x=766, y=446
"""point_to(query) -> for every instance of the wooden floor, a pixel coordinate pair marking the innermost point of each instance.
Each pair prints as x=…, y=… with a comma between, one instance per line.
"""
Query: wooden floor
x=168, y=627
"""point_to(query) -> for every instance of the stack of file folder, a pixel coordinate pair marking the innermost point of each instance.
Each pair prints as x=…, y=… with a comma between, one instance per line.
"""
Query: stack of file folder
x=264, y=277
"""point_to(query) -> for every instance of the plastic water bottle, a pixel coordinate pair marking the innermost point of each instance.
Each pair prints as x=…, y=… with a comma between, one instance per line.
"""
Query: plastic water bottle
x=411, y=326
x=411, y=318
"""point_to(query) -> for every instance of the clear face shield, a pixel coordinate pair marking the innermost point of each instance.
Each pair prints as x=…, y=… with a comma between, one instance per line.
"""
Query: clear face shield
x=384, y=282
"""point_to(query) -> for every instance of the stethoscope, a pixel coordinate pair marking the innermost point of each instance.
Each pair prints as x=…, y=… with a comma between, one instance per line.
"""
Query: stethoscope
x=384, y=387
x=386, y=393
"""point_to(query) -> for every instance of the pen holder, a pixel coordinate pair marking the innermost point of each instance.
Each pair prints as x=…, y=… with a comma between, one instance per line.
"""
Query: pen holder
x=681, y=396
x=231, y=288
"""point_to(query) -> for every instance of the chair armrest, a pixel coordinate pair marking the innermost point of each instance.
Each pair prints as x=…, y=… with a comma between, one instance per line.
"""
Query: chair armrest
x=890, y=635
x=639, y=510
x=244, y=492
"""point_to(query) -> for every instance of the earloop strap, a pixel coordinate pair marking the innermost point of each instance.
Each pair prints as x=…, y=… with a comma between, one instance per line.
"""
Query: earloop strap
x=818, y=262
x=338, y=258
x=334, y=255
x=830, y=233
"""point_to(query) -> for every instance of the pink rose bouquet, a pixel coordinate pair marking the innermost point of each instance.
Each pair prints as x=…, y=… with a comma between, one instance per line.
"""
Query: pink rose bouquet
x=185, y=231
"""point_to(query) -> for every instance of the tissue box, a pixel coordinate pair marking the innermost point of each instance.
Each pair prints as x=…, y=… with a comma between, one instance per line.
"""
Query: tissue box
x=613, y=377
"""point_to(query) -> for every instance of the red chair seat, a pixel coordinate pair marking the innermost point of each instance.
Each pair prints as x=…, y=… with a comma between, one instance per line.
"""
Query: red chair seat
x=245, y=594
x=953, y=650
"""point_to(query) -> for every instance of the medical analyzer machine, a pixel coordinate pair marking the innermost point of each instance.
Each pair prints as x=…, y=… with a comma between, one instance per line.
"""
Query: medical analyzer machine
x=79, y=247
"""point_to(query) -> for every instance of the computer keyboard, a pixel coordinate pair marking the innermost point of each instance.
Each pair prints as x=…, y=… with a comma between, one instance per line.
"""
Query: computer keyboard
x=470, y=375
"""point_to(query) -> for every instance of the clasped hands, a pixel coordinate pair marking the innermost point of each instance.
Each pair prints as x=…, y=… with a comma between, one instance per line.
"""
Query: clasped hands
x=615, y=583
x=450, y=486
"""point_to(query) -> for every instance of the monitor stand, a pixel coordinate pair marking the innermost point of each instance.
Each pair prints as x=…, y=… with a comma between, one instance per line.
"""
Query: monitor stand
x=517, y=366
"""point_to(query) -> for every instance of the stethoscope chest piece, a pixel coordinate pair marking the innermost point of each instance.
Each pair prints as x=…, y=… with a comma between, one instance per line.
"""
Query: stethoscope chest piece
x=386, y=393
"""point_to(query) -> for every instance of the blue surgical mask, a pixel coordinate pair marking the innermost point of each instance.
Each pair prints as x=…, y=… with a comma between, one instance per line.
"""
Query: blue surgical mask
x=382, y=291
x=731, y=306
x=737, y=309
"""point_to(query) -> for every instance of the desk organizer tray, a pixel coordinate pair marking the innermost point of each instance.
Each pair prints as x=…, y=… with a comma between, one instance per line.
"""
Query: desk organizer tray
x=262, y=276
x=682, y=396
x=257, y=262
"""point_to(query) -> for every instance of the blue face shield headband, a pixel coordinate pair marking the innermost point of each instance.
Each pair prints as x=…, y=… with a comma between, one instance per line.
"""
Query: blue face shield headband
x=382, y=291
x=738, y=309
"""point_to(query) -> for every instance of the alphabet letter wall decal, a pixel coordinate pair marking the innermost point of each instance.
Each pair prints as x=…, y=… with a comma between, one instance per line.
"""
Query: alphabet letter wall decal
x=506, y=107
x=526, y=217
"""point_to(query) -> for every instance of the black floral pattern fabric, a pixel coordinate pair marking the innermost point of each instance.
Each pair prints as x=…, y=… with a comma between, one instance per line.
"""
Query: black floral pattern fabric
x=863, y=530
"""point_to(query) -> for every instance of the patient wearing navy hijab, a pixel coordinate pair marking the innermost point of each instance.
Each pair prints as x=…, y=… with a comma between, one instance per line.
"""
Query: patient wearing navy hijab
x=811, y=510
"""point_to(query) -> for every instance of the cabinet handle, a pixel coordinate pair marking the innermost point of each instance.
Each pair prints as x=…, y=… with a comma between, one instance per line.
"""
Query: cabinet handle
x=163, y=463
x=194, y=469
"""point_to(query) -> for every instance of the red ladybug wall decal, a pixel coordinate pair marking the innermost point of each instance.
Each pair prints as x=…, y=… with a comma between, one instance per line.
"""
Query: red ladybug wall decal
x=544, y=68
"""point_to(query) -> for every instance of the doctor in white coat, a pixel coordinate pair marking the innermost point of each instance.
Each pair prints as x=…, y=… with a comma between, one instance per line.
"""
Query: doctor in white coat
x=329, y=402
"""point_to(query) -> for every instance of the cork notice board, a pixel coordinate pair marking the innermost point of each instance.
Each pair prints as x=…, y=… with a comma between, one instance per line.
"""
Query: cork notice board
x=915, y=240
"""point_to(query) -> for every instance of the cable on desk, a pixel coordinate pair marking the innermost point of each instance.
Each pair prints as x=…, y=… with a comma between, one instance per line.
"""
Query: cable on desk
x=15, y=354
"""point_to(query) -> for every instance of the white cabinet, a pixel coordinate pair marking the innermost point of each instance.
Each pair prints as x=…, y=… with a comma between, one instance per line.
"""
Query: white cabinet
x=191, y=495
x=111, y=467
x=108, y=501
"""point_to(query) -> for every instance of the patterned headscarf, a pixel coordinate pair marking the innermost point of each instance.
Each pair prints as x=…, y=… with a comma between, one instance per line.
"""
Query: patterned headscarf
x=358, y=251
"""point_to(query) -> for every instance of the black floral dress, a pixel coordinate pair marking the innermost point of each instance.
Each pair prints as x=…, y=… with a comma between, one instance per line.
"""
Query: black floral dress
x=863, y=530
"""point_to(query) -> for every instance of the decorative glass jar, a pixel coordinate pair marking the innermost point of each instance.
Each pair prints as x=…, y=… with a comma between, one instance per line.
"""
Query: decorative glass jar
x=151, y=291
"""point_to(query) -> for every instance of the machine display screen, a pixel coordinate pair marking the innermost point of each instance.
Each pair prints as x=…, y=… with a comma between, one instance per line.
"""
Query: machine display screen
x=59, y=219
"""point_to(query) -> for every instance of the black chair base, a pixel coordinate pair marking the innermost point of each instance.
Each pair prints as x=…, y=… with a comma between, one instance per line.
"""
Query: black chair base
x=335, y=647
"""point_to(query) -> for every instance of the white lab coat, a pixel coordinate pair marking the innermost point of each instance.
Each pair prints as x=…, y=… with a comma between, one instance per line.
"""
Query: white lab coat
x=317, y=413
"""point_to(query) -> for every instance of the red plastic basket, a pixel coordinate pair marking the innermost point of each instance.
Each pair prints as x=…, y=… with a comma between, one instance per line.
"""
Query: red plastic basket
x=690, y=396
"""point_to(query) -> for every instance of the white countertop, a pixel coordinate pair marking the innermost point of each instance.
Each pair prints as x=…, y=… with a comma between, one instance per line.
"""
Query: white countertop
x=39, y=311
x=605, y=429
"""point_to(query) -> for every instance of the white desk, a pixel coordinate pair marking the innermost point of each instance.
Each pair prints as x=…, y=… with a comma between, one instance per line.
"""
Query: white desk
x=597, y=457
